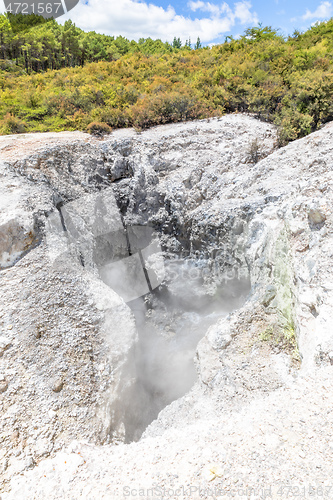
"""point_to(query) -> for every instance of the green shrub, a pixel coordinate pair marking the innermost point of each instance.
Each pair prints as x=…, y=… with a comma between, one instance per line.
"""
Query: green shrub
x=64, y=78
x=293, y=125
x=167, y=108
x=98, y=128
x=10, y=124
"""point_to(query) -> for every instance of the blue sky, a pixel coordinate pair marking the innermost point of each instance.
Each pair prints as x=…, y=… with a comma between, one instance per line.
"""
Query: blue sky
x=211, y=20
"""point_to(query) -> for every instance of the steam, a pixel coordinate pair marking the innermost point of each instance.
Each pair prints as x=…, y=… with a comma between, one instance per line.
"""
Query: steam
x=174, y=302
x=171, y=321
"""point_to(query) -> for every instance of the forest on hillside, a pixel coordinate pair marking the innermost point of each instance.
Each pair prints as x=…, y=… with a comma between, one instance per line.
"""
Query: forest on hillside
x=55, y=77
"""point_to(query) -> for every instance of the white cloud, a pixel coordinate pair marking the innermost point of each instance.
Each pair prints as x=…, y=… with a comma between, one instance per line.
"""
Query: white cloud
x=135, y=19
x=242, y=11
x=209, y=7
x=323, y=11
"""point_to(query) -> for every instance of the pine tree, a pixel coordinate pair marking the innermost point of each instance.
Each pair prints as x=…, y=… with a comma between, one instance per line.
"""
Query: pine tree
x=176, y=43
x=198, y=44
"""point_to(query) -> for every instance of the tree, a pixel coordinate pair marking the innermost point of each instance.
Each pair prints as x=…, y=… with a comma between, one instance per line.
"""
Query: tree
x=24, y=22
x=177, y=43
x=261, y=32
x=197, y=44
x=5, y=35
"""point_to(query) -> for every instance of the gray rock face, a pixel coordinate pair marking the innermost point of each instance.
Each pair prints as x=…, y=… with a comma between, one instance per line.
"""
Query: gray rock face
x=68, y=341
x=62, y=372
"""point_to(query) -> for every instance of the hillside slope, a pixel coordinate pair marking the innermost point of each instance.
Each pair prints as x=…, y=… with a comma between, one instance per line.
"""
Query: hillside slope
x=57, y=78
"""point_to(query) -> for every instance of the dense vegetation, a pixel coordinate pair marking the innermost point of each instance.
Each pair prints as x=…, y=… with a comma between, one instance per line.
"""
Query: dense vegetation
x=55, y=77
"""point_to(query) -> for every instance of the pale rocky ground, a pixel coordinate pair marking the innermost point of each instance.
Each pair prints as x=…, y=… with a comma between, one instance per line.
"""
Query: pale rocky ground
x=260, y=414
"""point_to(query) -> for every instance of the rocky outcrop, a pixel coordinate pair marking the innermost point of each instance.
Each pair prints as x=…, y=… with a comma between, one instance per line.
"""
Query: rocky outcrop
x=66, y=338
x=68, y=341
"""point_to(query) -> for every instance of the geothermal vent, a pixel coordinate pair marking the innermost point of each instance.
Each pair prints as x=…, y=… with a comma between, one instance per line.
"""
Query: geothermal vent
x=175, y=296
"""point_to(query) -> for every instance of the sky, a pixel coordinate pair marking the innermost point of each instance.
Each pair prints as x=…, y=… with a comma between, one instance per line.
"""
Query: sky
x=188, y=19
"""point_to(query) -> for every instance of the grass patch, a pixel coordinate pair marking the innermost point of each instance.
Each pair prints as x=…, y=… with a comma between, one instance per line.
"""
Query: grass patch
x=281, y=337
